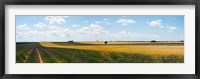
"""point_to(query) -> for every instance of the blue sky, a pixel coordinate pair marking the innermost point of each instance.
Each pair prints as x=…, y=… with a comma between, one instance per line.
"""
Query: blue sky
x=101, y=28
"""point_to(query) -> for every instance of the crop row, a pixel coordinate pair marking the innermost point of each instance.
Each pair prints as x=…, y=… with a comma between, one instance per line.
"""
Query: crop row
x=26, y=53
x=23, y=46
x=33, y=57
x=22, y=56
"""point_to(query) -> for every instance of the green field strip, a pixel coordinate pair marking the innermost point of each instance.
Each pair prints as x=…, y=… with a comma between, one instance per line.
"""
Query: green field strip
x=69, y=44
x=22, y=56
x=23, y=46
x=48, y=57
x=33, y=57
x=77, y=56
x=60, y=55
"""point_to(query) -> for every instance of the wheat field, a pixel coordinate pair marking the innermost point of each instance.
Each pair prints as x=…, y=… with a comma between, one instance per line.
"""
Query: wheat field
x=142, y=49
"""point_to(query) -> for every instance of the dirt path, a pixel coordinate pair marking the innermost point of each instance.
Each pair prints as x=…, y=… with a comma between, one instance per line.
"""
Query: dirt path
x=40, y=57
x=27, y=56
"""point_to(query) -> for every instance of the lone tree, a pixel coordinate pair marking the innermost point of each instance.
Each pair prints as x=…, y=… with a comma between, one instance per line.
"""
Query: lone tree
x=182, y=41
x=71, y=41
x=153, y=41
x=105, y=42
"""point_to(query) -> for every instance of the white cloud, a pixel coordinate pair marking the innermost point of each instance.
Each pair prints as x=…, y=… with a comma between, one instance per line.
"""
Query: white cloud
x=75, y=25
x=171, y=28
x=158, y=23
x=129, y=34
x=54, y=27
x=30, y=33
x=122, y=34
x=92, y=29
x=125, y=21
x=23, y=27
x=19, y=34
x=161, y=26
x=56, y=19
x=55, y=33
x=106, y=21
x=40, y=25
x=98, y=22
x=60, y=33
x=155, y=23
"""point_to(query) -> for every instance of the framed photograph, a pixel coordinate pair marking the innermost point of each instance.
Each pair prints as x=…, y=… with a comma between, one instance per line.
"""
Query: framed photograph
x=99, y=39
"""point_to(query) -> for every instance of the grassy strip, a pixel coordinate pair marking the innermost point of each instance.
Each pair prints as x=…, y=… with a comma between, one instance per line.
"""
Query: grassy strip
x=77, y=56
x=23, y=46
x=69, y=44
x=33, y=57
x=22, y=55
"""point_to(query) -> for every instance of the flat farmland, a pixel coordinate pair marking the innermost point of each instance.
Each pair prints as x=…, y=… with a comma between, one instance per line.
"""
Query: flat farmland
x=132, y=43
x=98, y=52
x=130, y=49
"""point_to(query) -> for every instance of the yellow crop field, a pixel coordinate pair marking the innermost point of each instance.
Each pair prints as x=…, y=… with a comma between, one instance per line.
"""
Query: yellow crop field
x=113, y=43
x=127, y=43
x=155, y=50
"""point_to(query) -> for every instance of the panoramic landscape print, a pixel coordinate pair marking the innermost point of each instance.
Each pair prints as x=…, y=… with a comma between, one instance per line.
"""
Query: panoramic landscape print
x=99, y=39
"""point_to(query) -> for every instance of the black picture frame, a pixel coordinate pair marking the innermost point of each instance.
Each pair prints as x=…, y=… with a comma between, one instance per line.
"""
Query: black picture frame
x=99, y=2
